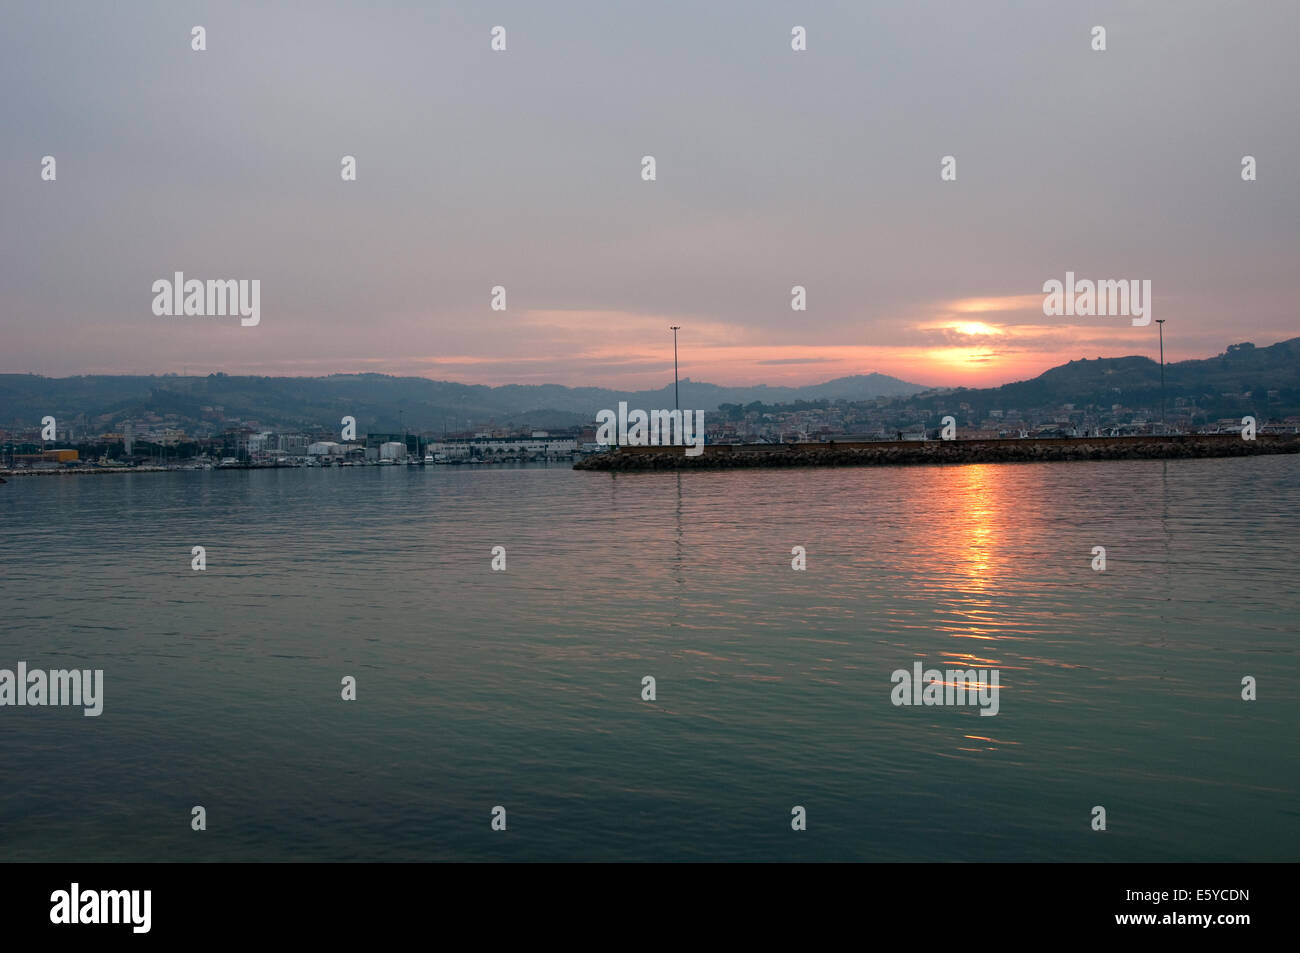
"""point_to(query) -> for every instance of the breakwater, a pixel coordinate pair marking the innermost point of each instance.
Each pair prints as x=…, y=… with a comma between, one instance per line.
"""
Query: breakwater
x=84, y=470
x=911, y=452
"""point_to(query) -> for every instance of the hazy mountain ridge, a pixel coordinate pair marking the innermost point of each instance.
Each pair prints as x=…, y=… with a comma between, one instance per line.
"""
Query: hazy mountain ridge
x=378, y=401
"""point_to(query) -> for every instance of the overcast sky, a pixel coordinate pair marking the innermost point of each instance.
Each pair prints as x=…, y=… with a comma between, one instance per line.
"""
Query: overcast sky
x=523, y=169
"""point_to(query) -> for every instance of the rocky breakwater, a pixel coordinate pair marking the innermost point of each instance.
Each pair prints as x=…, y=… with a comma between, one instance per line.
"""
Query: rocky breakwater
x=901, y=453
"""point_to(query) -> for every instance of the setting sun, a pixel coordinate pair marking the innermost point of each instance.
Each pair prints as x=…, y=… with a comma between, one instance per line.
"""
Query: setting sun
x=975, y=327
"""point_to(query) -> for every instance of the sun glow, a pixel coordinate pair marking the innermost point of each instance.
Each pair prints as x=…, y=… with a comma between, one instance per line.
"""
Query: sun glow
x=963, y=358
x=975, y=328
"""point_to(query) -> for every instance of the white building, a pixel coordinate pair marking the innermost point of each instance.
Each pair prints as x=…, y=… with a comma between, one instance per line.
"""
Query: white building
x=325, y=448
x=486, y=446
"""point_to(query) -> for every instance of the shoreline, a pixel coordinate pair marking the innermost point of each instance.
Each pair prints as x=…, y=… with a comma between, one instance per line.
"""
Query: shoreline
x=97, y=470
x=911, y=453
x=86, y=471
x=835, y=454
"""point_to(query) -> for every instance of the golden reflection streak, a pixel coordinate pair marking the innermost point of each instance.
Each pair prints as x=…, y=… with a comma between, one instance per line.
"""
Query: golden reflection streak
x=966, y=539
x=972, y=534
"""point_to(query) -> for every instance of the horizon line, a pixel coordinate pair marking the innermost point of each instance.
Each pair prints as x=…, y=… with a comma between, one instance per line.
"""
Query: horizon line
x=434, y=380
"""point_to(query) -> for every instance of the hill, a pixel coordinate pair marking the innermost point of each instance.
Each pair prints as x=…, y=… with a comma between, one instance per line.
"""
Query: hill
x=1243, y=379
x=379, y=402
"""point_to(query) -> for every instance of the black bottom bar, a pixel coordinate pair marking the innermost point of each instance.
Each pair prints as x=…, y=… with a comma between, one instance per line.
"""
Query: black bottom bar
x=950, y=903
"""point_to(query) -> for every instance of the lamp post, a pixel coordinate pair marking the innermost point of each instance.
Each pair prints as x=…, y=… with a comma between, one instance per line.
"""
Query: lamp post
x=677, y=403
x=1161, y=322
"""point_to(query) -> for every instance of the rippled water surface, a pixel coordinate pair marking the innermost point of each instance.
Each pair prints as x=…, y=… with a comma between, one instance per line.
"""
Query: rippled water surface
x=522, y=688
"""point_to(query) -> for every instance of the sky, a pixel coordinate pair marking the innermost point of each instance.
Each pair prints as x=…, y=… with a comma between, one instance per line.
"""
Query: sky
x=523, y=169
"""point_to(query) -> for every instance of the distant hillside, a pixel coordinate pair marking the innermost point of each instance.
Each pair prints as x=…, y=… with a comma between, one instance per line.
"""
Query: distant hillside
x=1233, y=383
x=378, y=402
x=1238, y=381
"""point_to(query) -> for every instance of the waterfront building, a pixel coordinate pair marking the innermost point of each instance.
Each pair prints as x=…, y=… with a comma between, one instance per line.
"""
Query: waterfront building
x=545, y=446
